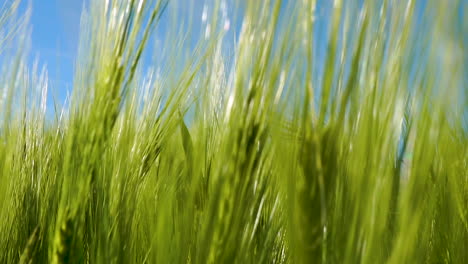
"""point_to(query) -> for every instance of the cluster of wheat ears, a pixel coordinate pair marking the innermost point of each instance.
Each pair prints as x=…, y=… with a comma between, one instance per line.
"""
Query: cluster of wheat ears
x=268, y=131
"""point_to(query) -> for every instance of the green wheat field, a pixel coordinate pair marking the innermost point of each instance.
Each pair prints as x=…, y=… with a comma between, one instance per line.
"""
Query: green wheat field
x=291, y=142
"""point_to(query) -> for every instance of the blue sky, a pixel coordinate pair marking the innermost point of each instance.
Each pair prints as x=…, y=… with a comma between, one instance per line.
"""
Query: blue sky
x=55, y=34
x=55, y=28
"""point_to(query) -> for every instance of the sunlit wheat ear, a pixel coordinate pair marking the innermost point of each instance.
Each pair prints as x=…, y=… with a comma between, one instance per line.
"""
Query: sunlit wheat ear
x=30, y=249
x=63, y=242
